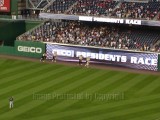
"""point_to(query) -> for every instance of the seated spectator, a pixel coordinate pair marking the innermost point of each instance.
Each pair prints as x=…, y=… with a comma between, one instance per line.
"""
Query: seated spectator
x=93, y=7
x=137, y=10
x=97, y=34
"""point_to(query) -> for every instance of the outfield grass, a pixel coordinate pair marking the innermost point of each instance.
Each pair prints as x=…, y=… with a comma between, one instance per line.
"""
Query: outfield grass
x=45, y=91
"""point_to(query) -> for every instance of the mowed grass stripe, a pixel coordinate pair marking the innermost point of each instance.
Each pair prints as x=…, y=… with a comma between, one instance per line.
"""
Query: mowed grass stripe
x=2, y=61
x=11, y=62
x=129, y=84
x=117, y=83
x=108, y=81
x=79, y=88
x=40, y=106
x=24, y=98
x=95, y=101
x=6, y=64
x=126, y=103
x=34, y=70
x=136, y=112
x=15, y=66
x=153, y=116
x=45, y=83
x=12, y=70
x=102, y=110
x=134, y=89
x=15, y=73
x=33, y=81
x=37, y=81
x=68, y=103
x=156, y=90
x=109, y=113
x=105, y=86
x=126, y=114
x=77, y=71
x=149, y=88
x=140, y=116
x=45, y=87
x=93, y=82
x=25, y=79
x=110, y=78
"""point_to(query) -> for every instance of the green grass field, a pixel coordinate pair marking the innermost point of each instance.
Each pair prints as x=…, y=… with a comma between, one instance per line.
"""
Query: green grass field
x=45, y=91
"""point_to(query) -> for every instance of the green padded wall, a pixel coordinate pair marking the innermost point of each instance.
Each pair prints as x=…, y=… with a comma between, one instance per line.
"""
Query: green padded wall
x=159, y=62
x=29, y=48
x=9, y=30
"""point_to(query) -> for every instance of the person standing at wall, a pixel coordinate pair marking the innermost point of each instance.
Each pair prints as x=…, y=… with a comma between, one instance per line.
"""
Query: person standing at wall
x=80, y=59
x=87, y=62
x=43, y=58
x=54, y=56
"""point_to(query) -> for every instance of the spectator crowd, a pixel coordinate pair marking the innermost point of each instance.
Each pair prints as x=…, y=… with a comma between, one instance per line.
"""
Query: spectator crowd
x=93, y=7
x=95, y=34
x=137, y=10
x=147, y=10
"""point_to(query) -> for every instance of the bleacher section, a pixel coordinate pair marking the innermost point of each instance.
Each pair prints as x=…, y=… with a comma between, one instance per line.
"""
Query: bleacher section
x=93, y=7
x=95, y=34
x=60, y=6
x=135, y=10
x=100, y=34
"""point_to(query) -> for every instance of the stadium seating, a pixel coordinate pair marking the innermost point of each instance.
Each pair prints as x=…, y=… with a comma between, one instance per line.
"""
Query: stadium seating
x=137, y=10
x=39, y=3
x=60, y=6
x=110, y=8
x=94, y=34
x=93, y=7
x=157, y=47
x=99, y=34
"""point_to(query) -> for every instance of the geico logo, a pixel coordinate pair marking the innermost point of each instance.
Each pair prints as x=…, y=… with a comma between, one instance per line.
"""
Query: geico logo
x=29, y=49
x=62, y=52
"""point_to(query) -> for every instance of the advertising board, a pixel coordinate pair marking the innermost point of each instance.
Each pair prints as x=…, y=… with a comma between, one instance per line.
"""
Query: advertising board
x=129, y=59
x=5, y=5
x=29, y=48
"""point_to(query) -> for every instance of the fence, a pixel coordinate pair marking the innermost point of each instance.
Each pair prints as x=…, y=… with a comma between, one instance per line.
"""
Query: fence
x=24, y=48
x=102, y=56
x=159, y=62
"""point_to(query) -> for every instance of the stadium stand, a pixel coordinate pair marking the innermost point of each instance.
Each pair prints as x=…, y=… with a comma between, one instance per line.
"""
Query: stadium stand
x=95, y=34
x=137, y=10
x=60, y=6
x=93, y=7
x=99, y=34
x=157, y=47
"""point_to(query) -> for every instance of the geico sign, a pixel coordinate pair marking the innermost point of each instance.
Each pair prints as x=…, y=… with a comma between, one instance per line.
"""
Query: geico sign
x=29, y=49
x=63, y=52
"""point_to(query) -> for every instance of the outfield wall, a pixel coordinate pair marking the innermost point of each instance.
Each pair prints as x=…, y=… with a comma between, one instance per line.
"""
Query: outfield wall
x=29, y=49
x=113, y=57
x=25, y=49
x=102, y=56
x=9, y=30
x=31, y=24
x=8, y=50
x=159, y=63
